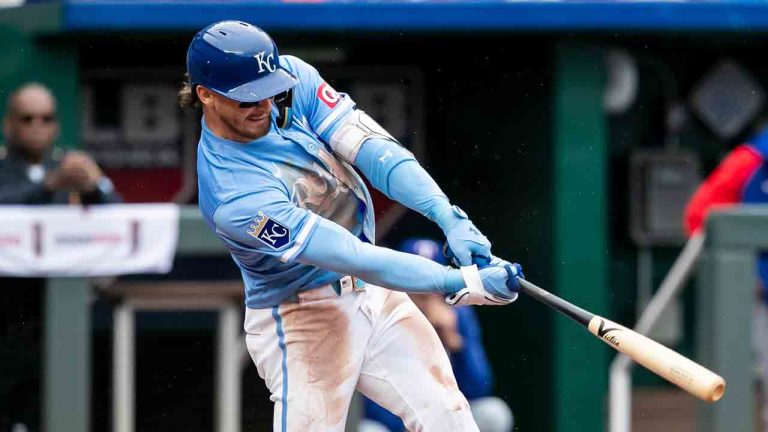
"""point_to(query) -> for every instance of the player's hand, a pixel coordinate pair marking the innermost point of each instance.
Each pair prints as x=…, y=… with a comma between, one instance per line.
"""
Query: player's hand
x=466, y=242
x=493, y=285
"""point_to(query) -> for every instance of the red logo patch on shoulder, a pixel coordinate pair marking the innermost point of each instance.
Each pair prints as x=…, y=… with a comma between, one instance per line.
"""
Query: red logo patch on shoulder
x=328, y=95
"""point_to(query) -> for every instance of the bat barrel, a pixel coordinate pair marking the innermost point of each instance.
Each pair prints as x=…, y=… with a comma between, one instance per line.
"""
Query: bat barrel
x=681, y=371
x=677, y=369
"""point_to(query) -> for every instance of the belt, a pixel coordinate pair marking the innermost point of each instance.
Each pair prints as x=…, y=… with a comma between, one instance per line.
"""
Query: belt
x=348, y=284
x=345, y=285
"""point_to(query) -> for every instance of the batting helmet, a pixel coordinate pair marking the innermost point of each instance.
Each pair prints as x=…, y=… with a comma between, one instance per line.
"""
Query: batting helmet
x=425, y=247
x=237, y=60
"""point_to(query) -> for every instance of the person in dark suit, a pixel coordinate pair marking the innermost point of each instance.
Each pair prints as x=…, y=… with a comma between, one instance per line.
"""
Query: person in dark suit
x=32, y=172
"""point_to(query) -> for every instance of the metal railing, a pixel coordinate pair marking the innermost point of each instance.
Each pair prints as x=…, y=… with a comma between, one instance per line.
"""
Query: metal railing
x=727, y=279
x=68, y=333
x=620, y=379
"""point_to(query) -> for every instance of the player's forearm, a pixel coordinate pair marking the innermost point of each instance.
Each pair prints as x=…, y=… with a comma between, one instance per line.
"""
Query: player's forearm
x=395, y=172
x=333, y=248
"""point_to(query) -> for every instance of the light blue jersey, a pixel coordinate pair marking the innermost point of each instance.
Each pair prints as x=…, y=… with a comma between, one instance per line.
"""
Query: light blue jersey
x=295, y=214
x=263, y=198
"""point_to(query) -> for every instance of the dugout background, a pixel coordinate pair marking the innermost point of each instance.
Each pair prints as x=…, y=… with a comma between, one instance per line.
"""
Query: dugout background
x=485, y=135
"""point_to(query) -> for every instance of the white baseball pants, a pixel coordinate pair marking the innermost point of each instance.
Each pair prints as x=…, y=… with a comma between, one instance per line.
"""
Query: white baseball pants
x=315, y=352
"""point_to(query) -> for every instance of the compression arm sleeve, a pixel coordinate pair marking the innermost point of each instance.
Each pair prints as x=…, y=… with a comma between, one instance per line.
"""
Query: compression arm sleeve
x=724, y=186
x=333, y=248
x=395, y=172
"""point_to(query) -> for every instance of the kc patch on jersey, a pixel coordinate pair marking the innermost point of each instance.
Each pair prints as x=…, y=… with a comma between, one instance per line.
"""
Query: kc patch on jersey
x=269, y=231
x=328, y=95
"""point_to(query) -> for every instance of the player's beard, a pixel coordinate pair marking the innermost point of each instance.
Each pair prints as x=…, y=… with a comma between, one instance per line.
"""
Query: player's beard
x=246, y=130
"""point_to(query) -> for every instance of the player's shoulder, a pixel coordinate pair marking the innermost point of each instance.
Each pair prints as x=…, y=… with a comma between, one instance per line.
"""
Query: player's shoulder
x=228, y=210
x=238, y=208
x=297, y=66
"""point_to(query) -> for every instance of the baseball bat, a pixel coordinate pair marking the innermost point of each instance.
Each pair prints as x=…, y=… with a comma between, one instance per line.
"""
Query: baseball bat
x=677, y=369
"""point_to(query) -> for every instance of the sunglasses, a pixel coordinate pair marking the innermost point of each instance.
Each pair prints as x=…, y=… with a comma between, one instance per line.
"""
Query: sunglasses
x=28, y=119
x=278, y=98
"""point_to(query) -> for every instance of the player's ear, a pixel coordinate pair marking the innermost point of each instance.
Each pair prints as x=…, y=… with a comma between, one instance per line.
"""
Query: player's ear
x=204, y=95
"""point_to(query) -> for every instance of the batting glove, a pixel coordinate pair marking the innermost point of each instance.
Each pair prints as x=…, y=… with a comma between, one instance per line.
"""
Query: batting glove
x=492, y=285
x=466, y=242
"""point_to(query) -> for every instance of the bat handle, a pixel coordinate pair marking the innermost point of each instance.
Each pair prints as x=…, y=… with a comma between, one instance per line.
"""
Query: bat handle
x=483, y=261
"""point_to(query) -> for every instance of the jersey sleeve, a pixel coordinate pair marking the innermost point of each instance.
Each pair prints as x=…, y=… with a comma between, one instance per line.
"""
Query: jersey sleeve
x=724, y=186
x=265, y=221
x=315, y=100
x=334, y=248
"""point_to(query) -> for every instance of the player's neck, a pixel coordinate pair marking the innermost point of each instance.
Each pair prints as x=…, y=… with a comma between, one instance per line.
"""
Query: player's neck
x=221, y=130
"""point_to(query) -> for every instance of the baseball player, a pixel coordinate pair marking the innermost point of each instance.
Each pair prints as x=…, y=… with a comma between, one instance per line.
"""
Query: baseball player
x=277, y=185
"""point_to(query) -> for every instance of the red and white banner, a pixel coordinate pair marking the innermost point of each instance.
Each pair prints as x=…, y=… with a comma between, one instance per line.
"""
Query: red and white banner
x=100, y=240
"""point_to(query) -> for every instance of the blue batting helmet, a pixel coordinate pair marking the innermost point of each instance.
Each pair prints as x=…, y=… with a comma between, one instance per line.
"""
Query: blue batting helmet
x=425, y=247
x=237, y=60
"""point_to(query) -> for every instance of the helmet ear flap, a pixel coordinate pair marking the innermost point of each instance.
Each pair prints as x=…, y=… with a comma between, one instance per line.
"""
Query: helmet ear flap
x=284, y=104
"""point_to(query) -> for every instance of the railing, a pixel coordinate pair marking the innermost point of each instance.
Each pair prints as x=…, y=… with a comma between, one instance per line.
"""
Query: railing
x=68, y=333
x=725, y=298
x=620, y=379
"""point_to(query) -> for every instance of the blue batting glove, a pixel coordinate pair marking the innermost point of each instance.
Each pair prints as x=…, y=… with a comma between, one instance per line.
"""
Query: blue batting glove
x=496, y=282
x=514, y=271
x=465, y=241
x=491, y=285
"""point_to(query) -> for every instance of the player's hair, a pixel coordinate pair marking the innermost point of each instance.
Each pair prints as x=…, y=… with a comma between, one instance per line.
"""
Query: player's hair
x=187, y=97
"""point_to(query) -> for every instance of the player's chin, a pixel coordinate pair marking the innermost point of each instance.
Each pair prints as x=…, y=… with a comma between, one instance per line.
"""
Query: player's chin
x=256, y=128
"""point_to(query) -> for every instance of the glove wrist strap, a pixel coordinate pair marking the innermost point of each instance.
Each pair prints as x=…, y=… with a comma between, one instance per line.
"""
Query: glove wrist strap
x=471, y=277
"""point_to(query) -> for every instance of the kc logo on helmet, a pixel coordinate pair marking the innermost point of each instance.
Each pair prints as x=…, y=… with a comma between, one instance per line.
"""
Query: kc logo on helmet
x=268, y=62
x=328, y=95
x=269, y=231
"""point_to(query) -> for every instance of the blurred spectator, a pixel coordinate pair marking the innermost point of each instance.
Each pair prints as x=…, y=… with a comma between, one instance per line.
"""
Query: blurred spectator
x=741, y=177
x=459, y=330
x=31, y=172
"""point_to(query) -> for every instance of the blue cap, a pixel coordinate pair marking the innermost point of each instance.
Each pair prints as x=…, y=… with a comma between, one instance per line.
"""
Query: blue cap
x=237, y=60
x=425, y=247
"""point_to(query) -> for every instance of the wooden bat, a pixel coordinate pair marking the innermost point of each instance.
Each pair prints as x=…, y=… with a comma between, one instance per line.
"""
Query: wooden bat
x=679, y=370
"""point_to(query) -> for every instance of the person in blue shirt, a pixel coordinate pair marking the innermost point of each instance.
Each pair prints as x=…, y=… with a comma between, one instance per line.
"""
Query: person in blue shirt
x=461, y=335
x=326, y=310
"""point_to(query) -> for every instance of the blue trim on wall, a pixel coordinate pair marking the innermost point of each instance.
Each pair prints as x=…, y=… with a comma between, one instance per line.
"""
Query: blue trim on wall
x=281, y=343
x=737, y=15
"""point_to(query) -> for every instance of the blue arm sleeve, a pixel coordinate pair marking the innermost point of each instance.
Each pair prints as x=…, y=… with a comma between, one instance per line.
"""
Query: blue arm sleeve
x=395, y=172
x=333, y=248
